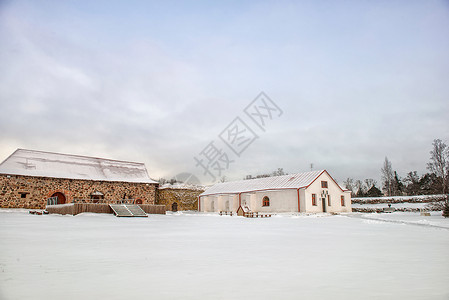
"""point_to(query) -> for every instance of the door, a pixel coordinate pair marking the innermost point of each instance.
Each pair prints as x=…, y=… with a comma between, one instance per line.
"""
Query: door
x=61, y=197
x=323, y=200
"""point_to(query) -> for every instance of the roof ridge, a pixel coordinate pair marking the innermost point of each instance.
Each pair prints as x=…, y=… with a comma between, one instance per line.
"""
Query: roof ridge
x=301, y=180
x=276, y=176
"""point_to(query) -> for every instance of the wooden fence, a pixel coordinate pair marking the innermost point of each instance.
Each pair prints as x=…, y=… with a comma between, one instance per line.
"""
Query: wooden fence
x=101, y=208
x=153, y=209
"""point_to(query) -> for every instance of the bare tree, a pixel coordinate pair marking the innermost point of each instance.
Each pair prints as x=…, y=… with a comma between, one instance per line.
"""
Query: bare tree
x=369, y=183
x=279, y=172
x=349, y=184
x=387, y=177
x=439, y=162
x=222, y=179
x=359, y=186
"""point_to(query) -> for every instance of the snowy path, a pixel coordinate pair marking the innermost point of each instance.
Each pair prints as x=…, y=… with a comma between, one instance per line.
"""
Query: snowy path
x=205, y=256
x=406, y=219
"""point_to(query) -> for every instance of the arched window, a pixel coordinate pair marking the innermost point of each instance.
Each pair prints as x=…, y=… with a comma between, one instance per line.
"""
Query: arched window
x=266, y=201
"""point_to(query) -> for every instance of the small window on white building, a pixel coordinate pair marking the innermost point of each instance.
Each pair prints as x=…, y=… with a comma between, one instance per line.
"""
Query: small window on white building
x=342, y=200
x=324, y=184
x=266, y=201
x=328, y=200
x=314, y=199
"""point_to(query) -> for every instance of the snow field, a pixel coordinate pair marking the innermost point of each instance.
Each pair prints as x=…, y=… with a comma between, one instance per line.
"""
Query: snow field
x=206, y=256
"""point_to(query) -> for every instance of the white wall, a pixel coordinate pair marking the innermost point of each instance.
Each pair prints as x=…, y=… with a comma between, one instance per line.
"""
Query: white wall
x=219, y=203
x=335, y=194
x=280, y=201
x=283, y=200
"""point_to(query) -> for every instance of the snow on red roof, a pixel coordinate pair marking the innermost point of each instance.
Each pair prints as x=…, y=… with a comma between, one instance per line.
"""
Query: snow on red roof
x=291, y=181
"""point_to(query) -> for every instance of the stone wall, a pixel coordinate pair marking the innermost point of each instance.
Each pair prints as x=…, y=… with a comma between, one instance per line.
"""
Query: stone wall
x=185, y=198
x=18, y=191
x=399, y=199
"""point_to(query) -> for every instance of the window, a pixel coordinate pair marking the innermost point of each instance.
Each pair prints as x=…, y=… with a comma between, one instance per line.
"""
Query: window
x=23, y=195
x=342, y=200
x=314, y=199
x=266, y=201
x=329, y=200
x=324, y=184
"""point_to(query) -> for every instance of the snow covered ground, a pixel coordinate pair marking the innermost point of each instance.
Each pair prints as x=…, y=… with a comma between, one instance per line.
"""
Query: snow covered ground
x=395, y=205
x=205, y=256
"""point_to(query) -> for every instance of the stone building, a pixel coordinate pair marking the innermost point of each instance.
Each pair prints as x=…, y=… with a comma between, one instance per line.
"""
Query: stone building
x=309, y=192
x=28, y=178
x=179, y=196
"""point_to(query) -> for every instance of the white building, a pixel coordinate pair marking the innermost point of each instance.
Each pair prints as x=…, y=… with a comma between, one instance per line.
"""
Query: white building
x=310, y=192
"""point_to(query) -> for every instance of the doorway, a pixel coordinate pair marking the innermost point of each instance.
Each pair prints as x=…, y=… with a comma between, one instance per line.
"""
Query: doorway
x=323, y=200
x=61, y=197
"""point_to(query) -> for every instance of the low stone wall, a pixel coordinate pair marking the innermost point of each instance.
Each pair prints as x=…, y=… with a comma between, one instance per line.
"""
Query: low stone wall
x=381, y=210
x=186, y=199
x=429, y=206
x=399, y=199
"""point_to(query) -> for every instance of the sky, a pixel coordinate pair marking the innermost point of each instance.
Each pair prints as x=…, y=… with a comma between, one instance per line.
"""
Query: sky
x=162, y=82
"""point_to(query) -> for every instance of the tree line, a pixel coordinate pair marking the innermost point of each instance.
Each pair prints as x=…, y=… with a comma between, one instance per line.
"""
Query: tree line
x=435, y=181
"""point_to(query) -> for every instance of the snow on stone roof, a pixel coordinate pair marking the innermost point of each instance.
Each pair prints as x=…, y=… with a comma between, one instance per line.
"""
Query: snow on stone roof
x=56, y=165
x=182, y=186
x=292, y=181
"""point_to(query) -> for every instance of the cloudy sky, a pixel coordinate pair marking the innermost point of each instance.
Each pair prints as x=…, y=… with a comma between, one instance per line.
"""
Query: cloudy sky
x=157, y=82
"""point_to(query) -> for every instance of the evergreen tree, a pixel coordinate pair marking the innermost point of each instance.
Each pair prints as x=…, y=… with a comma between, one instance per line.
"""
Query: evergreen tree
x=360, y=193
x=398, y=186
x=374, y=192
x=412, y=187
x=430, y=184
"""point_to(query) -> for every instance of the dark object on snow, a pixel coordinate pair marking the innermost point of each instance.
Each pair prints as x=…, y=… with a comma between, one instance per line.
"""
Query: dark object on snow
x=35, y=212
x=389, y=209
